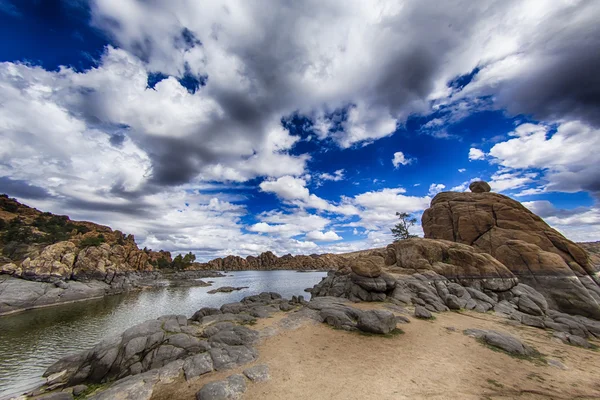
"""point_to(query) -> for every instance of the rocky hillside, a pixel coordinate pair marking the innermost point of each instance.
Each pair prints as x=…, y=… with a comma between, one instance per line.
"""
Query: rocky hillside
x=43, y=246
x=269, y=261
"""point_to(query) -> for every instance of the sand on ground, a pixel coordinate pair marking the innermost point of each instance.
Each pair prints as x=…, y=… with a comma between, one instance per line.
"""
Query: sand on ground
x=429, y=361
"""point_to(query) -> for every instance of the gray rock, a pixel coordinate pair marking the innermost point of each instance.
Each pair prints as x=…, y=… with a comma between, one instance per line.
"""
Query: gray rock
x=203, y=312
x=140, y=348
x=401, y=319
x=504, y=307
x=478, y=295
x=531, y=320
x=562, y=336
x=528, y=306
x=285, y=306
x=579, y=341
x=454, y=303
x=232, y=356
x=227, y=317
x=503, y=341
x=340, y=318
x=233, y=308
x=231, y=388
x=197, y=365
x=376, y=321
x=422, y=313
x=189, y=343
x=236, y=336
x=258, y=373
x=556, y=326
x=533, y=295
x=79, y=389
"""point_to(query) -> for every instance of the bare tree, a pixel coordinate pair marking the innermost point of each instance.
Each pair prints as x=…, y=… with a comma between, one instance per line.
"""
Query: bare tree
x=400, y=230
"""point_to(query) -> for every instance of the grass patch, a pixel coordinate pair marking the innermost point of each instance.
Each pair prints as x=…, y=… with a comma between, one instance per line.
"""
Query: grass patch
x=91, y=388
x=251, y=322
x=495, y=383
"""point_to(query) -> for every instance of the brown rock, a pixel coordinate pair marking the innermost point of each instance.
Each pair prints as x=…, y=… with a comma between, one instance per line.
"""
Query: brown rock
x=479, y=187
x=369, y=266
x=55, y=260
x=10, y=269
x=534, y=252
x=455, y=261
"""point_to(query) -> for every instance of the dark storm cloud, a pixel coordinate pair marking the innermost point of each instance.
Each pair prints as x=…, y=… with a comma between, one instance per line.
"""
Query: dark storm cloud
x=22, y=189
x=132, y=208
x=561, y=79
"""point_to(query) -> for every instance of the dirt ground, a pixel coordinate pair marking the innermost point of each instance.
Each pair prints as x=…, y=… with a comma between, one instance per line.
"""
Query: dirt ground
x=428, y=361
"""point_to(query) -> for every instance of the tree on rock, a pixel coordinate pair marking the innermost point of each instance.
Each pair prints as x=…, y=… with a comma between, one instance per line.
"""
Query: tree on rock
x=400, y=231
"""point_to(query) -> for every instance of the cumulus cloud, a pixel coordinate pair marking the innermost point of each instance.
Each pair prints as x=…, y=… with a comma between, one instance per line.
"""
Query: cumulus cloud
x=476, y=154
x=103, y=145
x=566, y=154
x=579, y=224
x=400, y=159
x=319, y=236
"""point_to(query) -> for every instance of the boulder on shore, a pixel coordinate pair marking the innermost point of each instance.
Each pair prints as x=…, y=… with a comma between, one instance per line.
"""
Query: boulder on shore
x=536, y=254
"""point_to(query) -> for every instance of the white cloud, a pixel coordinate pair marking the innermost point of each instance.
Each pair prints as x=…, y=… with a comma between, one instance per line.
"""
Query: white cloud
x=461, y=170
x=319, y=236
x=476, y=154
x=435, y=188
x=400, y=159
x=287, y=188
x=568, y=157
x=581, y=224
x=108, y=148
x=337, y=176
x=504, y=180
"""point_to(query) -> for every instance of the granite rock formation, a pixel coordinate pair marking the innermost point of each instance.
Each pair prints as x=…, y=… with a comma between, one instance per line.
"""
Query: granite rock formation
x=534, y=252
x=158, y=351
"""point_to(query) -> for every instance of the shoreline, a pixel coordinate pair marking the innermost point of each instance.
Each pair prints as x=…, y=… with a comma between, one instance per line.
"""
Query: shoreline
x=13, y=312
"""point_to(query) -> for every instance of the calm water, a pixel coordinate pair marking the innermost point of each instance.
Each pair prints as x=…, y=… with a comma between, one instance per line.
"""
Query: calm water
x=32, y=341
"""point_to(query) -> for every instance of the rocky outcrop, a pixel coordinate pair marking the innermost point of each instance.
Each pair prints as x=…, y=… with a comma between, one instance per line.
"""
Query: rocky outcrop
x=534, y=252
x=341, y=315
x=457, y=262
x=268, y=261
x=161, y=350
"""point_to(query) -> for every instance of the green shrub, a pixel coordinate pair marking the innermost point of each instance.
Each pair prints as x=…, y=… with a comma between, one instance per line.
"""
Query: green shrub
x=17, y=231
x=181, y=262
x=92, y=241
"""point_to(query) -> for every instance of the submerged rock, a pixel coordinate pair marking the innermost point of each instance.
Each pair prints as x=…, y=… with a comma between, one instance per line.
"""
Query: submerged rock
x=226, y=289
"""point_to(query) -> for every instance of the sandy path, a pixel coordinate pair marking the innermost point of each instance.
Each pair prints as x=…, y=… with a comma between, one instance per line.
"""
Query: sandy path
x=427, y=362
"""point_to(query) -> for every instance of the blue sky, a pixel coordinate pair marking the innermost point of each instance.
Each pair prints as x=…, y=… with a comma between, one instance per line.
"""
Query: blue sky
x=234, y=128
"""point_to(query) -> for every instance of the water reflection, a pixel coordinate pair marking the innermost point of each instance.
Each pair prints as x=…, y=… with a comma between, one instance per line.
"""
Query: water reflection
x=31, y=341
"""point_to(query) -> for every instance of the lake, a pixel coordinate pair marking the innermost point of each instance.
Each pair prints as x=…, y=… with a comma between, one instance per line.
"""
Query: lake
x=33, y=340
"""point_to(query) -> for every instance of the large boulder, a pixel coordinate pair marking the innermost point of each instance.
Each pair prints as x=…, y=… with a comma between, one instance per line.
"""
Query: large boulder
x=55, y=261
x=454, y=261
x=534, y=252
